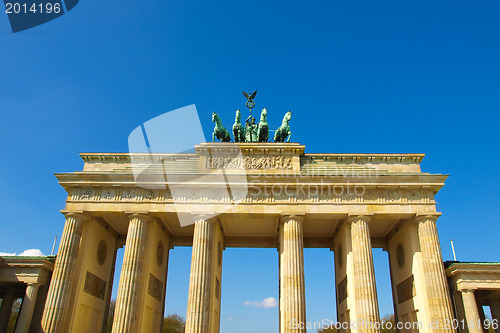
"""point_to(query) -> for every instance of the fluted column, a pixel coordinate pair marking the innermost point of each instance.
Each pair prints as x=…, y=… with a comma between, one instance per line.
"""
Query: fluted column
x=292, y=290
x=24, y=320
x=471, y=312
x=197, y=317
x=365, y=290
x=495, y=312
x=438, y=296
x=126, y=317
x=6, y=309
x=61, y=285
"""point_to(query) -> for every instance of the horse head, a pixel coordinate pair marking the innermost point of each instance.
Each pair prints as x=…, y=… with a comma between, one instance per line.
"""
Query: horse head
x=214, y=116
x=287, y=116
x=263, y=115
x=238, y=116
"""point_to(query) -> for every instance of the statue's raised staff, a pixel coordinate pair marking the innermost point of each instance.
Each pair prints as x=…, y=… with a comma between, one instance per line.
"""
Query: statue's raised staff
x=263, y=128
x=220, y=132
x=238, y=130
x=283, y=132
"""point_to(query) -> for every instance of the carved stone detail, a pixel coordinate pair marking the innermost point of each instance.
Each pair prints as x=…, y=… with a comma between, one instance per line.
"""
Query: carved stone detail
x=250, y=162
x=406, y=290
x=107, y=195
x=342, y=290
x=155, y=287
x=289, y=193
x=85, y=195
x=94, y=285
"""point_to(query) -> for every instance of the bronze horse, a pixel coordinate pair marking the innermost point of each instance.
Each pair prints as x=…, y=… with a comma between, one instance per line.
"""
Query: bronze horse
x=219, y=131
x=263, y=129
x=238, y=130
x=283, y=132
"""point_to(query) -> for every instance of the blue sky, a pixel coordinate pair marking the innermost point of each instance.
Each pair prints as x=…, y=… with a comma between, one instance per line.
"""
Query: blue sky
x=359, y=76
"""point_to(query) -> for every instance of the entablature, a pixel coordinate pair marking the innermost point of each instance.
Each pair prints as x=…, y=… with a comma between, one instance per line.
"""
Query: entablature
x=253, y=158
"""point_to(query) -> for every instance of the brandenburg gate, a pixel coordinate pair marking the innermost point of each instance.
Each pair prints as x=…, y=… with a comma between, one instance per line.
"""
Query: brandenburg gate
x=271, y=195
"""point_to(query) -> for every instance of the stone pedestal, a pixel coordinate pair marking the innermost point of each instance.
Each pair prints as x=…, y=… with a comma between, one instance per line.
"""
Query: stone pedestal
x=6, y=309
x=292, y=287
x=126, y=319
x=438, y=296
x=365, y=290
x=62, y=284
x=471, y=312
x=24, y=320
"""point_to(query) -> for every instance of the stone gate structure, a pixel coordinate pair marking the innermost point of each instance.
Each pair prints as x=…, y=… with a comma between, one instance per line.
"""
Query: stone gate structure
x=348, y=203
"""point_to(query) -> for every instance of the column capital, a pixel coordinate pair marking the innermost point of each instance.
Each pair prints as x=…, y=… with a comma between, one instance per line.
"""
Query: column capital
x=365, y=217
x=79, y=215
x=431, y=217
x=141, y=215
x=466, y=291
x=288, y=217
x=204, y=217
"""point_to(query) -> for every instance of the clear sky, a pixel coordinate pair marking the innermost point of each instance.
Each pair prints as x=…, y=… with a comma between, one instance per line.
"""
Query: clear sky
x=359, y=76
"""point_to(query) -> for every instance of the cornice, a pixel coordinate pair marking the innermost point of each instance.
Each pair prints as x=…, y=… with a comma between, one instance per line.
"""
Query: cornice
x=29, y=262
x=125, y=157
x=400, y=179
x=261, y=148
x=367, y=157
x=459, y=268
x=246, y=148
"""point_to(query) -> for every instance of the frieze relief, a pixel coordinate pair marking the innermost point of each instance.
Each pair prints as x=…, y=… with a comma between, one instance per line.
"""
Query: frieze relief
x=270, y=194
x=81, y=194
x=250, y=162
